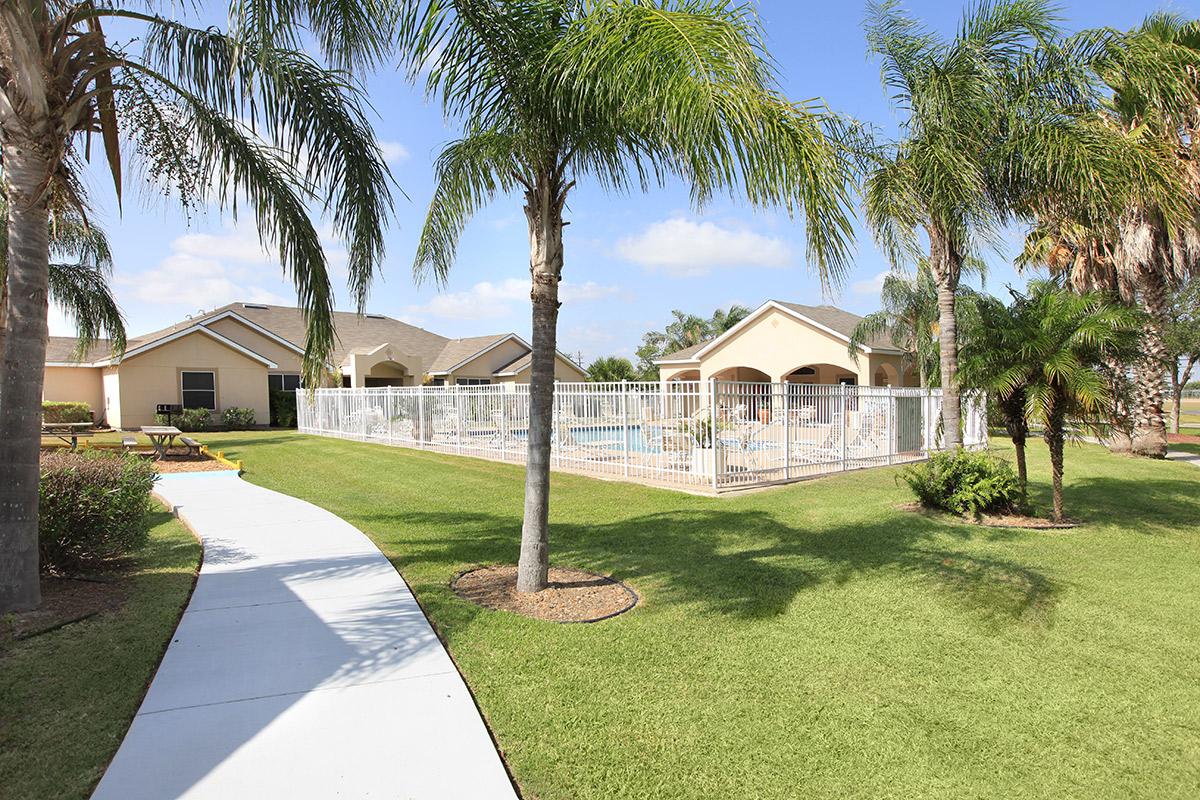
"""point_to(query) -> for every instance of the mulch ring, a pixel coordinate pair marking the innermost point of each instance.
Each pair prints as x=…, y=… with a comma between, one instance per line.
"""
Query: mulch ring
x=178, y=460
x=573, y=595
x=64, y=601
x=994, y=520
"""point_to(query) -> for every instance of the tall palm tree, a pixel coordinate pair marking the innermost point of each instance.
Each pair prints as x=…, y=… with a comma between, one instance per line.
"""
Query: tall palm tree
x=79, y=272
x=1152, y=239
x=725, y=318
x=626, y=93
x=246, y=119
x=991, y=117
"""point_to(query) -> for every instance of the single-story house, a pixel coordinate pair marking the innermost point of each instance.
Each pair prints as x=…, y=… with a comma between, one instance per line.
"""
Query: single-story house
x=234, y=355
x=789, y=342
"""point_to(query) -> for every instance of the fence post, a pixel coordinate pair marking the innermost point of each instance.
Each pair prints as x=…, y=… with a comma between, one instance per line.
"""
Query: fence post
x=891, y=423
x=421, y=417
x=625, y=426
x=714, y=442
x=845, y=421
x=787, y=435
x=458, y=417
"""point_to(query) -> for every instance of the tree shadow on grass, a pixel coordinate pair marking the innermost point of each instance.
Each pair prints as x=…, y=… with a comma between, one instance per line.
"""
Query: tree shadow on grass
x=750, y=564
x=1144, y=506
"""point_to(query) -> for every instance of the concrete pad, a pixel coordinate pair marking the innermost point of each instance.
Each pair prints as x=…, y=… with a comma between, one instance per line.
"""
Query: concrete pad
x=1187, y=458
x=302, y=668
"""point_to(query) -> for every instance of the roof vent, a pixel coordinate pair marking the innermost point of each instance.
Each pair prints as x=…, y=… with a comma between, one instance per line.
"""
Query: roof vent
x=259, y=306
x=374, y=316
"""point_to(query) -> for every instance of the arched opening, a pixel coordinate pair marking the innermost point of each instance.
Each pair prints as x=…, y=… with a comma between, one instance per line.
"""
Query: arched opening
x=743, y=374
x=685, y=375
x=885, y=375
x=827, y=374
x=746, y=395
x=387, y=373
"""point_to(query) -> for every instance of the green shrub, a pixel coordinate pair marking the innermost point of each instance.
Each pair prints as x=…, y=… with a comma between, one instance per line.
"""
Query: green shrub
x=238, y=419
x=964, y=482
x=92, y=507
x=283, y=409
x=190, y=419
x=66, y=412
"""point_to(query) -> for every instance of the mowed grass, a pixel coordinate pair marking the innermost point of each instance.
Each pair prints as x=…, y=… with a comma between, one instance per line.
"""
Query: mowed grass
x=67, y=696
x=809, y=641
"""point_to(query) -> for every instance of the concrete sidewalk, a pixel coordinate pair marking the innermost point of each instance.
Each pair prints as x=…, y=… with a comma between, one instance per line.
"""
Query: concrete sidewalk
x=302, y=668
x=1187, y=458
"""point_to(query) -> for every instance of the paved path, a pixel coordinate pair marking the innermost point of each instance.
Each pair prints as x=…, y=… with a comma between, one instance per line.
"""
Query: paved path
x=302, y=668
x=1188, y=458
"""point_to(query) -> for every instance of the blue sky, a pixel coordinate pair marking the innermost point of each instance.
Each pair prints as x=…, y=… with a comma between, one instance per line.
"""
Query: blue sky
x=630, y=259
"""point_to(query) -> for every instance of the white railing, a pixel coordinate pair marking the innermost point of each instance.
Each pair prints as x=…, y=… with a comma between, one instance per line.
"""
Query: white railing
x=712, y=435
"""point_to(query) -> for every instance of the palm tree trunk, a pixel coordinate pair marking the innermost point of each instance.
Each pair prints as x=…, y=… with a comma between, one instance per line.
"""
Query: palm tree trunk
x=21, y=374
x=1055, y=436
x=945, y=266
x=1150, y=431
x=543, y=210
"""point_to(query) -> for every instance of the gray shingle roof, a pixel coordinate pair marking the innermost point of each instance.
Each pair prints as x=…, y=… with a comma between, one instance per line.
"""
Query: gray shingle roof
x=354, y=334
x=62, y=349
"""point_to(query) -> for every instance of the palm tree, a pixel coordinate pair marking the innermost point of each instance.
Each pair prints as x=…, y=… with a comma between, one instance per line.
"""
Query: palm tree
x=243, y=119
x=725, y=318
x=988, y=115
x=608, y=369
x=1152, y=238
x=626, y=93
x=78, y=279
x=1043, y=358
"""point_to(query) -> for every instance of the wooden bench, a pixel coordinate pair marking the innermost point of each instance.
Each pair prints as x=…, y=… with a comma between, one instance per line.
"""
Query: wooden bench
x=191, y=444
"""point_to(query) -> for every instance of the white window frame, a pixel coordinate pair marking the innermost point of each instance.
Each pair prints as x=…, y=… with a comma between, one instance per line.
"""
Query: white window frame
x=183, y=372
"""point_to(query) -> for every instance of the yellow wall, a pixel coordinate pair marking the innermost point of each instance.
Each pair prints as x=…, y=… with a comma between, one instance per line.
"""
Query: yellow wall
x=153, y=377
x=563, y=371
x=75, y=385
x=776, y=344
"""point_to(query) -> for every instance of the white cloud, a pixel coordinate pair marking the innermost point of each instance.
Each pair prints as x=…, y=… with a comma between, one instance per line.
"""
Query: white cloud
x=488, y=300
x=393, y=152
x=685, y=248
x=869, y=286
x=206, y=270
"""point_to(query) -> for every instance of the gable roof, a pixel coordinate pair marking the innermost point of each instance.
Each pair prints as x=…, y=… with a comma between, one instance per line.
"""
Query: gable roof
x=287, y=326
x=833, y=320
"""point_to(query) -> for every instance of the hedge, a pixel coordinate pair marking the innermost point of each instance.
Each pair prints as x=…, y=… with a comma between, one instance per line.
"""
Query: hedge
x=92, y=508
x=66, y=412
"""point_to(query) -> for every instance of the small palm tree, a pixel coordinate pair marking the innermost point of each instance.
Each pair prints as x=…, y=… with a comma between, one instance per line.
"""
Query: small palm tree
x=1043, y=357
x=626, y=93
x=246, y=119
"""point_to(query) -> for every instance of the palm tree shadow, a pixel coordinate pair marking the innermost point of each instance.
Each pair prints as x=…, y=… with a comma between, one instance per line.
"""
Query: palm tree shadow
x=750, y=564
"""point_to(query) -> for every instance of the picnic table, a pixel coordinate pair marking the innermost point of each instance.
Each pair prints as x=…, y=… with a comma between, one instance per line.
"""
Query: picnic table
x=67, y=432
x=162, y=437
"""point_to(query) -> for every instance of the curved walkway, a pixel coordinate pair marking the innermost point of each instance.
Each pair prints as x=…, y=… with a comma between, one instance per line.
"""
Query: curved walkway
x=302, y=668
x=1187, y=458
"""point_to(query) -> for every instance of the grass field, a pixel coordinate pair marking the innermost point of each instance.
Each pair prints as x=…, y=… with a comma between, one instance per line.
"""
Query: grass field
x=67, y=696
x=813, y=640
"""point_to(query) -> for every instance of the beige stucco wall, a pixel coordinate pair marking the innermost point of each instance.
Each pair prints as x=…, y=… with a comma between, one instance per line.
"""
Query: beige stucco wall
x=777, y=344
x=75, y=385
x=483, y=366
x=563, y=371
x=287, y=359
x=153, y=377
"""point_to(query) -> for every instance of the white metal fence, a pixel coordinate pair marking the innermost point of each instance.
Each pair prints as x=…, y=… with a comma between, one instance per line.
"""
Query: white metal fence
x=712, y=435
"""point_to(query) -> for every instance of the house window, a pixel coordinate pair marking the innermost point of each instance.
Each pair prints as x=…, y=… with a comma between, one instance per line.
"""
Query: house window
x=289, y=382
x=847, y=381
x=199, y=389
x=473, y=381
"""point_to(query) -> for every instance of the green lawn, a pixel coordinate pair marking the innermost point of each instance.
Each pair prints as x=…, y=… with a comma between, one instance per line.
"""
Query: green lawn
x=812, y=640
x=67, y=696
